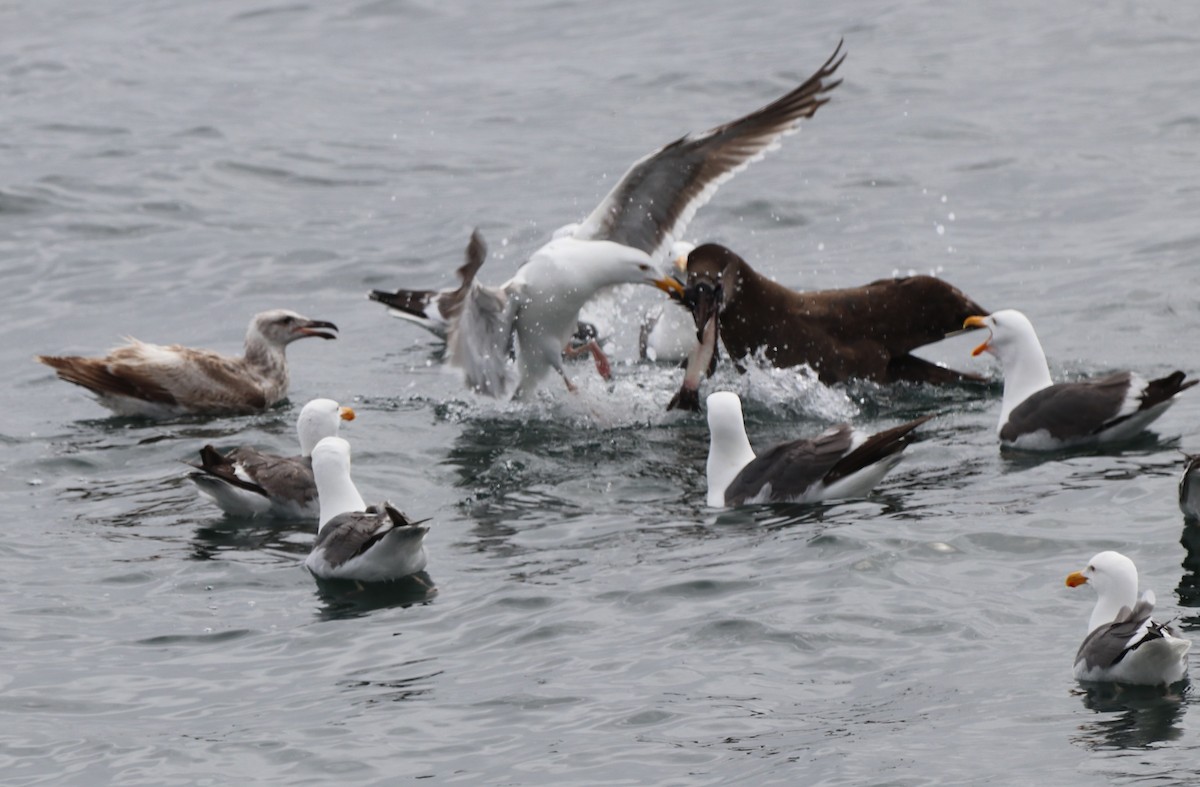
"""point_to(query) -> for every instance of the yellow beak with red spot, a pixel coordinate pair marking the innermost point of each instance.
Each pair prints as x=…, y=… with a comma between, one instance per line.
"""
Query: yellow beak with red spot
x=1075, y=579
x=978, y=322
x=346, y=413
x=669, y=285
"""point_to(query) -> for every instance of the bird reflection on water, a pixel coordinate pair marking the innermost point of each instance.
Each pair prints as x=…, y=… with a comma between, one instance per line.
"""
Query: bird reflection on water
x=1131, y=717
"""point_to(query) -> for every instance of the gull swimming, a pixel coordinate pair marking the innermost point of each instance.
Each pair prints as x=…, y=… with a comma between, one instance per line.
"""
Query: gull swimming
x=246, y=482
x=1124, y=644
x=163, y=381
x=356, y=541
x=1038, y=414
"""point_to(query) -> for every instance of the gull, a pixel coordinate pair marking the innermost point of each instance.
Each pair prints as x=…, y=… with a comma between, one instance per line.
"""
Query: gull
x=1124, y=644
x=1189, y=487
x=246, y=482
x=839, y=463
x=355, y=541
x=533, y=314
x=1040, y=415
x=163, y=381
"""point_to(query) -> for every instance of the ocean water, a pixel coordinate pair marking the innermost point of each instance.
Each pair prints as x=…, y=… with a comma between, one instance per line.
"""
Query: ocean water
x=168, y=169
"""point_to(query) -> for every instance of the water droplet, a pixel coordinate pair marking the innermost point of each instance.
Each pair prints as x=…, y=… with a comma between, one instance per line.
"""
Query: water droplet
x=941, y=229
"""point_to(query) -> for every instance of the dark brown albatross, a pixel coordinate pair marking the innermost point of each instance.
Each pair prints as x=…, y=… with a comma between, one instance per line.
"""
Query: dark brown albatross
x=866, y=332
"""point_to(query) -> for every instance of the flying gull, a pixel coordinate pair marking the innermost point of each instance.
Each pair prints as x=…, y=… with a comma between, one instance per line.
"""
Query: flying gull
x=866, y=332
x=356, y=541
x=839, y=463
x=247, y=482
x=162, y=381
x=1124, y=645
x=534, y=313
x=1039, y=415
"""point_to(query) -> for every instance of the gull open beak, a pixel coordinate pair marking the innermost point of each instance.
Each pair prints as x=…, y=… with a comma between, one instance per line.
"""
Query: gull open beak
x=669, y=286
x=346, y=413
x=1075, y=579
x=309, y=329
x=977, y=322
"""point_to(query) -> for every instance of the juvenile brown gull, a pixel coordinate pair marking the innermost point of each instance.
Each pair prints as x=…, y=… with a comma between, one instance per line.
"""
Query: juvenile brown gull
x=161, y=381
x=534, y=313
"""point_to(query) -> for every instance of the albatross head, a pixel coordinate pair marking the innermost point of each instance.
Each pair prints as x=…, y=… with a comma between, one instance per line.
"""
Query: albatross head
x=1115, y=578
x=331, y=471
x=712, y=281
x=281, y=327
x=319, y=419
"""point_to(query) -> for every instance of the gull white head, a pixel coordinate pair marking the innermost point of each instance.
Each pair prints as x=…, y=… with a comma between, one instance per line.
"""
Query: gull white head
x=319, y=419
x=1015, y=344
x=1116, y=580
x=331, y=471
x=281, y=327
x=729, y=449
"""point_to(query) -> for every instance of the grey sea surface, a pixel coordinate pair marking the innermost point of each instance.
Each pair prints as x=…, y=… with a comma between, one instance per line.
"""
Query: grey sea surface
x=168, y=169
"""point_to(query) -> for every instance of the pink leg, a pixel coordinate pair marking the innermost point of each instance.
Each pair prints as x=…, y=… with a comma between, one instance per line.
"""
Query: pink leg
x=602, y=364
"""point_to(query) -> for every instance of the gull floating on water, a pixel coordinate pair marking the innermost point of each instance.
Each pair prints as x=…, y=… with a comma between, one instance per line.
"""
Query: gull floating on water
x=1040, y=415
x=839, y=463
x=1124, y=645
x=247, y=482
x=161, y=381
x=356, y=541
x=534, y=313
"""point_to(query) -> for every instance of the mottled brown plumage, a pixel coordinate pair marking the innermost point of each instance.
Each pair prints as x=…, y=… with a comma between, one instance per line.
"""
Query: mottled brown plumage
x=167, y=380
